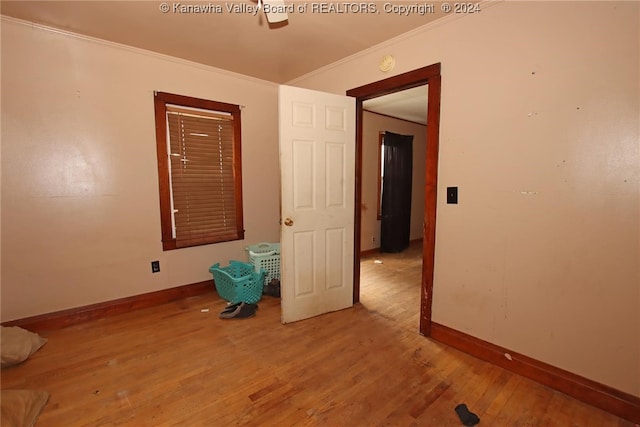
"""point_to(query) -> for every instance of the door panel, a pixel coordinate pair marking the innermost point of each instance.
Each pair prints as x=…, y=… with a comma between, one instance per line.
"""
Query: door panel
x=317, y=162
x=303, y=186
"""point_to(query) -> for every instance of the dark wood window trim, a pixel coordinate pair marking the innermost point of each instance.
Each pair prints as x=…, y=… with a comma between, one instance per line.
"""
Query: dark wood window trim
x=380, y=177
x=231, y=230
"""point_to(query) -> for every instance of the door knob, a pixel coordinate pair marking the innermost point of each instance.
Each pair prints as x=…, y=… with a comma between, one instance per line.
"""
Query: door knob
x=288, y=222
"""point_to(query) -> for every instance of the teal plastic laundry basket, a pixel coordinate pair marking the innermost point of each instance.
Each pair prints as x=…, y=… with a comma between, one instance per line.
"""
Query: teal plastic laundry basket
x=238, y=282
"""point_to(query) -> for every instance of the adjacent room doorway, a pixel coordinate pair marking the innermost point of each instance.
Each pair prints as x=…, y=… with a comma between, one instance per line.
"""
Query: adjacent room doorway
x=430, y=76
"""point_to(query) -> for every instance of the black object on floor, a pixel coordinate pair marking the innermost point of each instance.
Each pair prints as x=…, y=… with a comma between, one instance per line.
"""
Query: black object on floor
x=273, y=288
x=240, y=310
x=231, y=307
x=467, y=417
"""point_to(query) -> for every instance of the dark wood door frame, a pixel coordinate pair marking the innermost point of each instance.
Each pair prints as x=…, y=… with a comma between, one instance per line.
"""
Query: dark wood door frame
x=430, y=76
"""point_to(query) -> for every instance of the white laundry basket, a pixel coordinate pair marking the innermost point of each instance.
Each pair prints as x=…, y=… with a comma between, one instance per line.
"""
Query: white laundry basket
x=265, y=256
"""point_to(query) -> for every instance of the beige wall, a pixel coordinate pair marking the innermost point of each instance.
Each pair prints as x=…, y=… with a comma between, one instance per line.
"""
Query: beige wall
x=540, y=130
x=80, y=205
x=372, y=125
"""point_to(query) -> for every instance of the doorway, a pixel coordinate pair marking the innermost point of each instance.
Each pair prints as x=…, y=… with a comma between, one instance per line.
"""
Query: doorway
x=430, y=76
x=391, y=252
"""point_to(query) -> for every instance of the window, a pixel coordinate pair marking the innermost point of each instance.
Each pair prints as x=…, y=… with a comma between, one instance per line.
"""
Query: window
x=199, y=170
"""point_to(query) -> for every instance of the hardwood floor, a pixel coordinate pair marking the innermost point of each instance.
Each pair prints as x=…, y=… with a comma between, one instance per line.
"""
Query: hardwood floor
x=179, y=364
x=390, y=285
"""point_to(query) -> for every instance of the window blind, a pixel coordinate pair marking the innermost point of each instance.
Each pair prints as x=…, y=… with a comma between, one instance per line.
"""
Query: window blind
x=201, y=162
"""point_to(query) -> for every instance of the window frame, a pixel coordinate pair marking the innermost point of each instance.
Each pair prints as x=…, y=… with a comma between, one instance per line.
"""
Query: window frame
x=161, y=100
x=380, y=175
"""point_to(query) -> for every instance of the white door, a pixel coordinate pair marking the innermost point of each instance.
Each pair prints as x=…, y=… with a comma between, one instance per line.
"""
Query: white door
x=317, y=163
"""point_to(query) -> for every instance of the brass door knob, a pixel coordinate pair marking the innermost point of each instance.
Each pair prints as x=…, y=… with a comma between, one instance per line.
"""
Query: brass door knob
x=288, y=222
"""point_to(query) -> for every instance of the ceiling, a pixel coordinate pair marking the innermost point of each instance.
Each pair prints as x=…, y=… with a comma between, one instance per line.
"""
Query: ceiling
x=409, y=104
x=230, y=36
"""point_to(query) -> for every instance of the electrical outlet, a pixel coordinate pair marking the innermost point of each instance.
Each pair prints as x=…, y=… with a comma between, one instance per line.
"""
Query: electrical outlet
x=155, y=266
x=373, y=239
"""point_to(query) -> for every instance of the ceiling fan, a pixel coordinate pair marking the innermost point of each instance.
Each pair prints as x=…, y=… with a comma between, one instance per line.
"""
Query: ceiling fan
x=274, y=10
